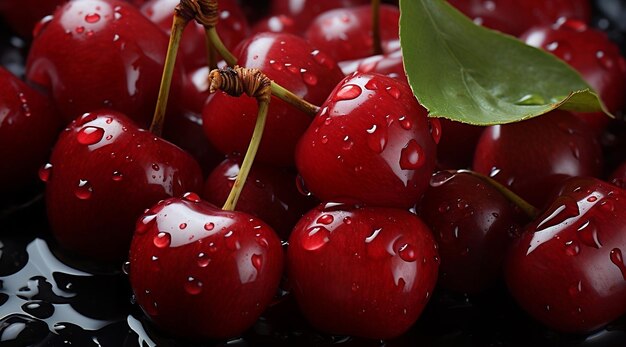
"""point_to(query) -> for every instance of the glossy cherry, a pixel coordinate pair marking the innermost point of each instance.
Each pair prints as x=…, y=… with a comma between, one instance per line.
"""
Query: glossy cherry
x=276, y=24
x=295, y=65
x=362, y=271
x=29, y=127
x=270, y=194
x=304, y=11
x=104, y=171
x=593, y=55
x=346, y=33
x=217, y=269
x=387, y=64
x=618, y=177
x=567, y=269
x=99, y=54
x=372, y=142
x=474, y=225
x=22, y=16
x=232, y=28
x=555, y=146
x=514, y=17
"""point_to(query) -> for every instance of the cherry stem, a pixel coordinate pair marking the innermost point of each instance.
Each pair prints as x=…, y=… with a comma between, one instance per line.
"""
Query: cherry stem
x=376, y=42
x=213, y=38
x=531, y=211
x=236, y=81
x=211, y=54
x=178, y=25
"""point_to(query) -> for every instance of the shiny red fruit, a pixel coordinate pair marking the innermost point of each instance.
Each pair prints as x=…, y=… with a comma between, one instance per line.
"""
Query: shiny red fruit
x=362, y=271
x=304, y=11
x=276, y=24
x=294, y=64
x=567, y=270
x=371, y=143
x=514, y=17
x=104, y=171
x=29, y=126
x=387, y=64
x=99, y=54
x=474, y=225
x=203, y=273
x=533, y=156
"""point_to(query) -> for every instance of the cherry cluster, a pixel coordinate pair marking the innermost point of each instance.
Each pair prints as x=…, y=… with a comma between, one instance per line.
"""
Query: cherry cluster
x=358, y=205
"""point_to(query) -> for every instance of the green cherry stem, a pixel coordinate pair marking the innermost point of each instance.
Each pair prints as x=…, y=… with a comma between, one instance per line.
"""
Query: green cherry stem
x=376, y=42
x=179, y=23
x=236, y=81
x=531, y=211
x=210, y=53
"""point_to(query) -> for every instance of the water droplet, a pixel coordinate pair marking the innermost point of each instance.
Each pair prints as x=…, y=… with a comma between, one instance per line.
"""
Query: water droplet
x=155, y=167
x=309, y=78
x=531, y=100
x=89, y=135
x=326, y=219
x=412, y=156
x=377, y=139
x=203, y=260
x=43, y=23
x=607, y=205
x=231, y=240
x=209, y=226
x=604, y=60
x=373, y=236
x=348, y=92
x=126, y=267
x=182, y=226
x=323, y=59
x=117, y=176
x=568, y=209
x=572, y=24
x=355, y=287
x=618, y=260
x=440, y=178
x=405, y=123
x=371, y=85
x=406, y=251
x=347, y=143
x=92, y=18
x=193, y=286
x=394, y=92
x=576, y=289
x=572, y=248
x=80, y=29
x=588, y=234
x=315, y=238
x=145, y=223
x=192, y=197
x=84, y=190
x=347, y=220
x=324, y=139
x=560, y=49
x=44, y=172
x=257, y=261
x=301, y=186
x=162, y=240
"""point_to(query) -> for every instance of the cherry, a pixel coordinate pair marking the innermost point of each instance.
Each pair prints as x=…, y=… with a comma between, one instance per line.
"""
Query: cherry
x=372, y=142
x=22, y=16
x=567, y=269
x=276, y=24
x=593, y=55
x=618, y=177
x=232, y=28
x=514, y=17
x=116, y=59
x=304, y=11
x=28, y=128
x=104, y=171
x=346, y=33
x=387, y=64
x=218, y=268
x=473, y=224
x=270, y=194
x=532, y=156
x=362, y=271
x=294, y=64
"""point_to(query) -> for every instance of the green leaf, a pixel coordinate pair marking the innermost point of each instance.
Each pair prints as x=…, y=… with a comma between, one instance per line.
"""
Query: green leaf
x=464, y=72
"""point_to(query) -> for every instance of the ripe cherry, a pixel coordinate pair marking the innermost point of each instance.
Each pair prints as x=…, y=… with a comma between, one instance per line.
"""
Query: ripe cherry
x=362, y=271
x=372, y=142
x=218, y=269
x=567, y=269
x=104, y=171
x=304, y=11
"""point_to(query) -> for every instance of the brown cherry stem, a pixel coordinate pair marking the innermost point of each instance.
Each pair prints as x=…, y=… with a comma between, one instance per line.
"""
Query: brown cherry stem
x=531, y=211
x=181, y=19
x=376, y=42
x=236, y=81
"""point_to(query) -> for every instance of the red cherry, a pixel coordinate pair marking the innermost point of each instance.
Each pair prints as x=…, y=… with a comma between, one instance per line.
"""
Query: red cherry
x=276, y=24
x=567, y=269
x=99, y=54
x=269, y=193
x=593, y=55
x=618, y=177
x=28, y=128
x=232, y=28
x=473, y=225
x=22, y=16
x=372, y=142
x=533, y=156
x=514, y=17
x=304, y=11
x=295, y=65
x=362, y=271
x=387, y=64
x=104, y=172
x=346, y=33
x=217, y=269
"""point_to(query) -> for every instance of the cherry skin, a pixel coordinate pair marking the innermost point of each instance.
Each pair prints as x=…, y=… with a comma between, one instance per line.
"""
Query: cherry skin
x=270, y=194
x=593, y=55
x=567, y=269
x=514, y=17
x=387, y=64
x=618, y=177
x=232, y=28
x=276, y=24
x=304, y=11
x=372, y=142
x=531, y=157
x=99, y=54
x=474, y=225
x=361, y=271
x=218, y=269
x=22, y=16
x=104, y=171
x=346, y=33
x=28, y=128
x=294, y=64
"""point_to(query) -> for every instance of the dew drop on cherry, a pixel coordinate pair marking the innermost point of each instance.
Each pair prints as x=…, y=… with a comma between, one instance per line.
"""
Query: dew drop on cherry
x=309, y=78
x=191, y=197
x=440, y=178
x=92, y=18
x=89, y=135
x=588, y=234
x=257, y=261
x=412, y=156
x=315, y=238
x=434, y=125
x=203, y=260
x=348, y=92
x=209, y=226
x=44, y=172
x=394, y=92
x=162, y=240
x=405, y=123
x=371, y=85
x=117, y=176
x=618, y=260
x=193, y=286
x=572, y=248
x=84, y=190
x=605, y=61
x=326, y=219
x=407, y=252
